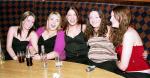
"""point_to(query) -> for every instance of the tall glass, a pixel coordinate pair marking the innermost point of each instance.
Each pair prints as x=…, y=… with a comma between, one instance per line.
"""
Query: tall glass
x=43, y=57
x=21, y=56
x=58, y=64
x=44, y=60
x=28, y=58
x=2, y=57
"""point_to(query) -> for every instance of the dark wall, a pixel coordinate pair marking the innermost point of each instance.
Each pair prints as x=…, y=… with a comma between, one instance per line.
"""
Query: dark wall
x=10, y=12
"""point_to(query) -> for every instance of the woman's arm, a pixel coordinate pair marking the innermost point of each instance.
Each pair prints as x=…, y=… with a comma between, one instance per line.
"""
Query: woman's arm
x=34, y=47
x=52, y=55
x=83, y=27
x=126, y=51
x=9, y=48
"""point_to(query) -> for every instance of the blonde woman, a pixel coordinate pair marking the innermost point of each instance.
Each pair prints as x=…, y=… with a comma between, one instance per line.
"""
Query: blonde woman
x=51, y=37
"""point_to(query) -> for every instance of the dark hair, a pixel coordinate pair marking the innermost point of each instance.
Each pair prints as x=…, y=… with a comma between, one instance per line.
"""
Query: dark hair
x=123, y=15
x=75, y=9
x=89, y=32
x=23, y=17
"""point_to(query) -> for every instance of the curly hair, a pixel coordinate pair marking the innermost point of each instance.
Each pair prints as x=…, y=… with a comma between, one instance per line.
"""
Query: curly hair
x=123, y=15
x=89, y=32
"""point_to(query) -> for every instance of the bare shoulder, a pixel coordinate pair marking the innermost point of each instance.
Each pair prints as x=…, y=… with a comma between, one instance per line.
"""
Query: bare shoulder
x=13, y=28
x=132, y=35
x=33, y=33
x=83, y=27
x=131, y=32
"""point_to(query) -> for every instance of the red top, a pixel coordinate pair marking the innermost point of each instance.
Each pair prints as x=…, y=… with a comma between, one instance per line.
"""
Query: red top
x=137, y=61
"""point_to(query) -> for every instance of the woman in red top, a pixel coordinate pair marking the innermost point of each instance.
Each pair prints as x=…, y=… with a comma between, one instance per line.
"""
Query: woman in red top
x=128, y=44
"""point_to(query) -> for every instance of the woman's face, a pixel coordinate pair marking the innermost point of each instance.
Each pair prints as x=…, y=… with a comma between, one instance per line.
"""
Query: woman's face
x=114, y=21
x=28, y=22
x=94, y=19
x=72, y=17
x=53, y=22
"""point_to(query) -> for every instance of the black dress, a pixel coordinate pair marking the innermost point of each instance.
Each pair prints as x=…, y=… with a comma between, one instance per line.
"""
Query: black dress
x=76, y=48
x=48, y=44
x=19, y=46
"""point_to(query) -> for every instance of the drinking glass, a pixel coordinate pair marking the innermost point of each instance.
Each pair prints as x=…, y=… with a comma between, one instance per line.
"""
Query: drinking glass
x=2, y=57
x=21, y=56
x=58, y=62
x=28, y=58
x=44, y=60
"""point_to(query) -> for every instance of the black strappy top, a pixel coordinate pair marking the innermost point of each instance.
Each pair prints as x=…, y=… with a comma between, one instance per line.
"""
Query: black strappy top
x=48, y=44
x=18, y=45
x=76, y=48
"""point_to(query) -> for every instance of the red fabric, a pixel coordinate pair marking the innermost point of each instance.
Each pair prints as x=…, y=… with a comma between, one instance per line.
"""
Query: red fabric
x=137, y=61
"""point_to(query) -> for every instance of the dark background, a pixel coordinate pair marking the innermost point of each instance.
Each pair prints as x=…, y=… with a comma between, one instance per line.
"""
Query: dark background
x=10, y=13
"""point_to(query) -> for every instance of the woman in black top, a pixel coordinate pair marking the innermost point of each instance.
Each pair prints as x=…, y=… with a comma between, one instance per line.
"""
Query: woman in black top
x=76, y=47
x=18, y=37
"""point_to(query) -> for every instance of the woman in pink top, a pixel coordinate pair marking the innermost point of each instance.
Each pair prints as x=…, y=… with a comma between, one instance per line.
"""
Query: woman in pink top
x=128, y=44
x=52, y=37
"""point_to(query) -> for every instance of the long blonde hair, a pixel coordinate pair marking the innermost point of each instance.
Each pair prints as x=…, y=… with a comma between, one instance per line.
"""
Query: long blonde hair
x=123, y=15
x=59, y=16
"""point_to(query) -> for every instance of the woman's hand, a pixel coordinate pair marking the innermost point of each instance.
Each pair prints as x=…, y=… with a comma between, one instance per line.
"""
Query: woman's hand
x=145, y=54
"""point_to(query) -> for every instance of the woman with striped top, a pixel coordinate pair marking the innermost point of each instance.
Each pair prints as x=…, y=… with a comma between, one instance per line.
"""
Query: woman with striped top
x=102, y=52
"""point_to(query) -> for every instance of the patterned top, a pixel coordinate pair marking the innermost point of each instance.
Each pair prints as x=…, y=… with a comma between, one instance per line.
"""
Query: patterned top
x=101, y=50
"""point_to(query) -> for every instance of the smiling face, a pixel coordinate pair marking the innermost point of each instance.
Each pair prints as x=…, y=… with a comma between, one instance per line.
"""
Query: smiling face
x=54, y=21
x=28, y=22
x=94, y=19
x=72, y=17
x=114, y=21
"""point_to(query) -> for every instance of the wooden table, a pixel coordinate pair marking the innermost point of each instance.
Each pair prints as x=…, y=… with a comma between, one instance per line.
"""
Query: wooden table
x=14, y=69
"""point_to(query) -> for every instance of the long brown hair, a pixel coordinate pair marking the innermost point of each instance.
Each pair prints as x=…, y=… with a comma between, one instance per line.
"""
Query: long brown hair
x=89, y=32
x=123, y=15
x=23, y=17
x=75, y=9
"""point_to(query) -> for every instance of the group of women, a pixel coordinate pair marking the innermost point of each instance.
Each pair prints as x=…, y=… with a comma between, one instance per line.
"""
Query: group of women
x=93, y=43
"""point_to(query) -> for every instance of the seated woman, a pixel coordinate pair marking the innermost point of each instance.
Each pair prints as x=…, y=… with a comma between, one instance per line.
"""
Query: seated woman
x=102, y=52
x=76, y=47
x=52, y=37
x=128, y=44
x=18, y=37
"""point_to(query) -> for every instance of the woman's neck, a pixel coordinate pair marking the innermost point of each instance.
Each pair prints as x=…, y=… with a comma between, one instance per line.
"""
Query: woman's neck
x=73, y=26
x=24, y=31
x=96, y=29
x=51, y=31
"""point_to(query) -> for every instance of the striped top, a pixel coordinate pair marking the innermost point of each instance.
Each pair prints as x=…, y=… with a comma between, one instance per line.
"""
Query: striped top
x=101, y=50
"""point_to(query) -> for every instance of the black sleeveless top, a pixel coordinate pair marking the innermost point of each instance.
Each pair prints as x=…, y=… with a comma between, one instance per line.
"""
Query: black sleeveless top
x=48, y=44
x=19, y=46
x=76, y=48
